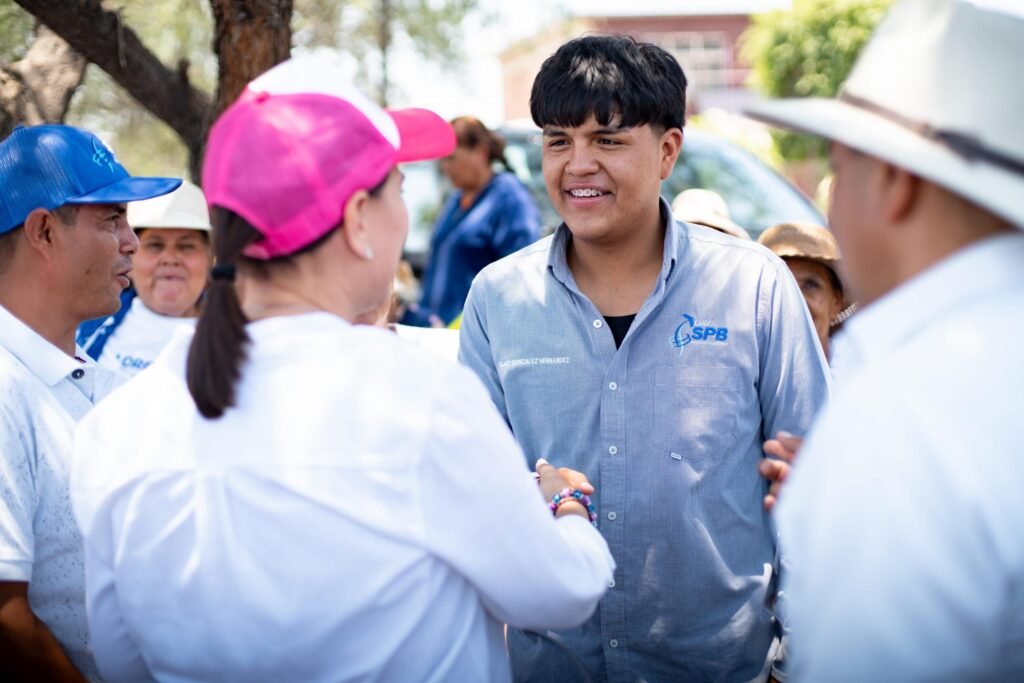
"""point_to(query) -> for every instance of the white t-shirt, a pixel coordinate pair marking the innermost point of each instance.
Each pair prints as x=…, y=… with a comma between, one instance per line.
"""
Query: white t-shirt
x=362, y=514
x=139, y=339
x=43, y=392
x=437, y=341
x=903, y=519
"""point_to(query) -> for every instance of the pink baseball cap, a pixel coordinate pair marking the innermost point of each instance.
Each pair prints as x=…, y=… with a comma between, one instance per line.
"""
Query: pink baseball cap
x=298, y=142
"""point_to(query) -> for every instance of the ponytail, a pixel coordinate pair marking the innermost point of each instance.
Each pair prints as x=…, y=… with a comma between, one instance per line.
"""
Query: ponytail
x=219, y=346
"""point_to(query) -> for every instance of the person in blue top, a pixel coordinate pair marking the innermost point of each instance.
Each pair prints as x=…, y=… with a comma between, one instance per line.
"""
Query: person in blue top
x=490, y=215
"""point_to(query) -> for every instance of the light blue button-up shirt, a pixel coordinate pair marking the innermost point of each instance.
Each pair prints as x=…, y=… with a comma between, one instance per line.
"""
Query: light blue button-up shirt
x=669, y=428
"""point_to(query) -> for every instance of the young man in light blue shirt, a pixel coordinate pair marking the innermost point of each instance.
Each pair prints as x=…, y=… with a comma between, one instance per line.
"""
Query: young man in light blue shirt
x=655, y=357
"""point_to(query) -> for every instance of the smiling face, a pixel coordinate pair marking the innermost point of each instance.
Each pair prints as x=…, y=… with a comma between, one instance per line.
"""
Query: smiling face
x=604, y=180
x=170, y=270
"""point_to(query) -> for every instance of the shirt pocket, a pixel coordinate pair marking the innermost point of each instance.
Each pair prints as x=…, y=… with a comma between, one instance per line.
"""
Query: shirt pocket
x=696, y=411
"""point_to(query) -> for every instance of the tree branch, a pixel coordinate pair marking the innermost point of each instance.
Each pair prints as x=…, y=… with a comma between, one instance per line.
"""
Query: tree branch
x=38, y=88
x=100, y=36
x=258, y=29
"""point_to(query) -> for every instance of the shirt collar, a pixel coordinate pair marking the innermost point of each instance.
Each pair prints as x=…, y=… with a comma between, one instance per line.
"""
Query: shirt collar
x=45, y=360
x=975, y=273
x=559, y=265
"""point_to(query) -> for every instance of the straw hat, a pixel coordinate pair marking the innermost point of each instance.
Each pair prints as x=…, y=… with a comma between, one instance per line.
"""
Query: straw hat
x=803, y=240
x=936, y=91
x=800, y=239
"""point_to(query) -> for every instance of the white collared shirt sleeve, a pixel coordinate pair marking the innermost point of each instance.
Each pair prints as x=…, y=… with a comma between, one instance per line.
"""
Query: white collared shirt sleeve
x=475, y=350
x=532, y=571
x=117, y=655
x=795, y=380
x=19, y=499
x=900, y=539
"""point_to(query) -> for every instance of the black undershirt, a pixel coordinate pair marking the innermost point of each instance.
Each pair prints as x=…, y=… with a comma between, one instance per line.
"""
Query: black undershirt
x=619, y=325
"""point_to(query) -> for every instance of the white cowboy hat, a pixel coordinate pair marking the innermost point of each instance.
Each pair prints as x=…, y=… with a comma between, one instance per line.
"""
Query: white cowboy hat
x=184, y=208
x=707, y=208
x=938, y=91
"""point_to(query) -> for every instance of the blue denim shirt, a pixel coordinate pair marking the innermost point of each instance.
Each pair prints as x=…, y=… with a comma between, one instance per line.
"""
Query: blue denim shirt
x=669, y=428
x=502, y=220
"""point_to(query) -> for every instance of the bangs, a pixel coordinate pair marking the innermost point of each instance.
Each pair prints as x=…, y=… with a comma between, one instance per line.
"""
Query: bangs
x=612, y=79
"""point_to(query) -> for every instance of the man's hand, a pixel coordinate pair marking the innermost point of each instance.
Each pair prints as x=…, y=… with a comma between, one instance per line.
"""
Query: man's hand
x=28, y=651
x=784, y=447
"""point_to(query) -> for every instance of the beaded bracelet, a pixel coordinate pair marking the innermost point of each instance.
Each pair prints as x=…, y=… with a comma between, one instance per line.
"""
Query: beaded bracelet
x=570, y=494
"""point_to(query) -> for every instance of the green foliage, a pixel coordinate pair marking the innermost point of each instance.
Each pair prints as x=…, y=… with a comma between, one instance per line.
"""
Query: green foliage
x=431, y=28
x=435, y=28
x=173, y=30
x=178, y=30
x=144, y=144
x=16, y=31
x=808, y=52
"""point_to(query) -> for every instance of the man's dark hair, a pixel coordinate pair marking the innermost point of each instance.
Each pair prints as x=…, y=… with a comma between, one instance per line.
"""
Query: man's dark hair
x=609, y=76
x=7, y=246
x=67, y=213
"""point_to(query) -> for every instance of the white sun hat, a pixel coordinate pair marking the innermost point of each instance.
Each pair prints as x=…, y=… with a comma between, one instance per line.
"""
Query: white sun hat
x=938, y=91
x=184, y=208
x=707, y=208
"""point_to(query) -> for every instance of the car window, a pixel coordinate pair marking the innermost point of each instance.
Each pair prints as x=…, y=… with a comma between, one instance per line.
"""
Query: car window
x=757, y=196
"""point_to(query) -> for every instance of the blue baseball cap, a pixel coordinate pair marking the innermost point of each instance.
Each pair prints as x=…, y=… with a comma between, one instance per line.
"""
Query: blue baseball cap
x=44, y=167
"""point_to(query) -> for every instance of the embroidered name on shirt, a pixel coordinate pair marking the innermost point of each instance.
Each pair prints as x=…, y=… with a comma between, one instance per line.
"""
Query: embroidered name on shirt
x=133, y=362
x=691, y=330
x=520, y=362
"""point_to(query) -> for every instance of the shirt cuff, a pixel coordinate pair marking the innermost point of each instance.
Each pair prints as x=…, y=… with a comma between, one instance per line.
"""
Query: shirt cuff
x=14, y=570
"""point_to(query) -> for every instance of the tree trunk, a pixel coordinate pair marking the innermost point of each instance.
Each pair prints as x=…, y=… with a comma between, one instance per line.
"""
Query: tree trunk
x=250, y=37
x=38, y=88
x=102, y=38
x=384, y=43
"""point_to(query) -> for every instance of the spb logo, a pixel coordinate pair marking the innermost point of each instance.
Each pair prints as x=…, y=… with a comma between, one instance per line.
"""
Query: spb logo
x=690, y=331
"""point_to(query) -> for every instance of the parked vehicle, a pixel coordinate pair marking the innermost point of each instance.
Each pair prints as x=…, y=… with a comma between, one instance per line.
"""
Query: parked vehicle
x=757, y=196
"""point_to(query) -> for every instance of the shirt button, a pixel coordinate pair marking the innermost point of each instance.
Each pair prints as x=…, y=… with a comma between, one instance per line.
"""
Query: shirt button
x=613, y=386
x=613, y=450
x=598, y=324
x=78, y=374
x=611, y=584
x=613, y=643
x=612, y=516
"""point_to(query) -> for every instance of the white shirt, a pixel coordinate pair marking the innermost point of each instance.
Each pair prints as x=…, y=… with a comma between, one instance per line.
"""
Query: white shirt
x=904, y=517
x=363, y=514
x=140, y=338
x=43, y=392
x=437, y=341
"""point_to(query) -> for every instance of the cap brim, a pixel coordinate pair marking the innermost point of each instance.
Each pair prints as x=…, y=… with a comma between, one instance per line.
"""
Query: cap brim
x=128, y=190
x=424, y=135
x=786, y=251
x=868, y=132
x=719, y=223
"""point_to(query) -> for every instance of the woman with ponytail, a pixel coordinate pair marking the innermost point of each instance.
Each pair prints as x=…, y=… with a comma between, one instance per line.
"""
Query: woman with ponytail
x=286, y=496
x=489, y=216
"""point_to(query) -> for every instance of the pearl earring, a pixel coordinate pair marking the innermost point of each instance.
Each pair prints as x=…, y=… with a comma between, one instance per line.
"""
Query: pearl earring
x=368, y=253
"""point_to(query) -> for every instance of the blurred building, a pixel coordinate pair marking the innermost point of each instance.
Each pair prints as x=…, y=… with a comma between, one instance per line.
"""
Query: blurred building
x=703, y=36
